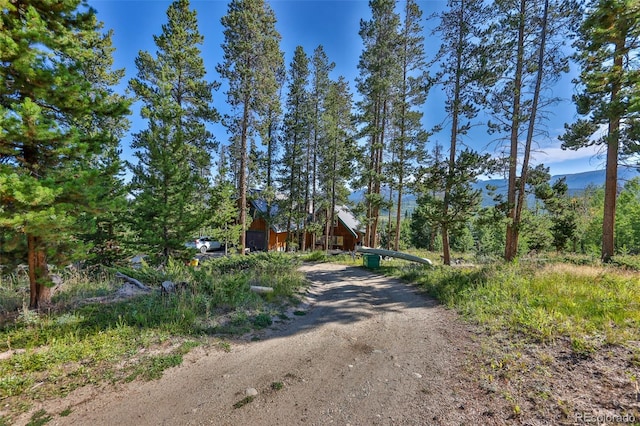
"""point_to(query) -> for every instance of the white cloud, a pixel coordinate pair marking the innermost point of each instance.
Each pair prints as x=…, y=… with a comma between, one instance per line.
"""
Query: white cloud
x=552, y=155
x=583, y=159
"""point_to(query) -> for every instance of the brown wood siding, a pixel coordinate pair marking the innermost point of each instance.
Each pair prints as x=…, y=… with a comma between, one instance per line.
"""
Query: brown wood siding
x=277, y=240
x=348, y=240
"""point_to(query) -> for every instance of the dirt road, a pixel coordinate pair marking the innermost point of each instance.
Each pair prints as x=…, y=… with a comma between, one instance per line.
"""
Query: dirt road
x=370, y=350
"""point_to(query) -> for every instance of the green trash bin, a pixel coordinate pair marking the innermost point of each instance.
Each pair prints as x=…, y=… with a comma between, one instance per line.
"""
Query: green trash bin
x=371, y=261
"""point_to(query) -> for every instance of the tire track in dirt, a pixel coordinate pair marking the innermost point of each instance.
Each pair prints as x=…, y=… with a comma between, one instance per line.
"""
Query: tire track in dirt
x=370, y=350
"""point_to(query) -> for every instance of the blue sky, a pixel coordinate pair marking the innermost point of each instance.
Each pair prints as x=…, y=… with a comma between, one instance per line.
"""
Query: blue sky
x=309, y=23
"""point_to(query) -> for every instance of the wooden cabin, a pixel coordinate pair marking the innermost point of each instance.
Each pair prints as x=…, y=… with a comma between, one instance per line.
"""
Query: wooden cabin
x=258, y=239
x=347, y=232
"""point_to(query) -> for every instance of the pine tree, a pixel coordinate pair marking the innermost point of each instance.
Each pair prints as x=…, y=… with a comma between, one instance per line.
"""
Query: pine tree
x=321, y=67
x=608, y=48
x=106, y=229
x=379, y=77
x=271, y=141
x=295, y=135
x=407, y=145
x=463, y=200
x=559, y=205
x=463, y=75
x=252, y=58
x=170, y=180
x=527, y=50
x=336, y=151
x=48, y=178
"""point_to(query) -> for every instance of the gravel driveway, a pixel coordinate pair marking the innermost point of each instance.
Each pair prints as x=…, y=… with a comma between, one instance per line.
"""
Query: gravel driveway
x=370, y=350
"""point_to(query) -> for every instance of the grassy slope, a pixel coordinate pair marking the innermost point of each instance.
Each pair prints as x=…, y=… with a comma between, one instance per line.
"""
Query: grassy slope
x=92, y=336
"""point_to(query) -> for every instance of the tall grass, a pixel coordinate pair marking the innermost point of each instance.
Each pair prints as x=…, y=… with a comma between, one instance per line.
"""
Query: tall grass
x=88, y=336
x=592, y=306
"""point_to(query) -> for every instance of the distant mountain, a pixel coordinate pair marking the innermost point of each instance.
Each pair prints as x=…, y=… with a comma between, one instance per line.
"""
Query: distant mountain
x=577, y=182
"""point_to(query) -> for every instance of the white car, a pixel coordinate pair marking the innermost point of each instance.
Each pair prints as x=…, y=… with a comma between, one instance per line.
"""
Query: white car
x=205, y=244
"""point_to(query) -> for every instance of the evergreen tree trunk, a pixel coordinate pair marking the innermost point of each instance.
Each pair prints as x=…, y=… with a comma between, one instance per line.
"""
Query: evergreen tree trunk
x=532, y=122
x=39, y=292
x=55, y=82
x=511, y=245
x=611, y=181
x=455, y=115
x=268, y=219
x=607, y=51
x=243, y=177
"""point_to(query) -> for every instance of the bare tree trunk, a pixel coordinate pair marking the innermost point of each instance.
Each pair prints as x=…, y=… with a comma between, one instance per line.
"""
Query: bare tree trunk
x=453, y=146
x=377, y=189
x=396, y=243
x=307, y=201
x=39, y=292
x=369, y=239
x=243, y=177
x=611, y=179
x=327, y=230
x=511, y=246
x=532, y=122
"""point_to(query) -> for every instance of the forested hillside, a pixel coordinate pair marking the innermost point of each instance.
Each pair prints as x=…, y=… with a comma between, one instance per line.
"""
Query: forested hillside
x=306, y=141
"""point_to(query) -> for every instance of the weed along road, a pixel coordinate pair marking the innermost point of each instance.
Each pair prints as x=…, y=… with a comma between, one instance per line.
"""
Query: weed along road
x=369, y=350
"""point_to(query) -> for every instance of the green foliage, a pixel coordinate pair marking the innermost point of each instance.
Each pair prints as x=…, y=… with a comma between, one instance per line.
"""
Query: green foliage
x=57, y=62
x=424, y=233
x=262, y=320
x=315, y=256
x=407, y=145
x=223, y=209
x=631, y=263
x=252, y=64
x=448, y=200
x=336, y=148
x=296, y=133
x=168, y=182
x=536, y=233
x=244, y=401
x=151, y=368
x=591, y=306
x=627, y=231
x=561, y=210
x=608, y=97
x=378, y=82
x=95, y=342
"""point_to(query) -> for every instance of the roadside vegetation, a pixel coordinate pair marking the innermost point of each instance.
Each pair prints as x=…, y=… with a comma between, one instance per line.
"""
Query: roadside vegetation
x=542, y=301
x=553, y=328
x=91, y=335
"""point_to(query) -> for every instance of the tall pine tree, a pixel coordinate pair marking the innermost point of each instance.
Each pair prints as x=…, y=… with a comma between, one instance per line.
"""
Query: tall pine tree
x=321, y=67
x=464, y=77
x=171, y=179
x=48, y=178
x=408, y=143
x=527, y=51
x=295, y=136
x=608, y=48
x=380, y=71
x=336, y=152
x=251, y=63
x=106, y=229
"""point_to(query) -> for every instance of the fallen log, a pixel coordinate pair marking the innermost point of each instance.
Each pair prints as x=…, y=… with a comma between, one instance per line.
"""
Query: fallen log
x=133, y=281
x=261, y=290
